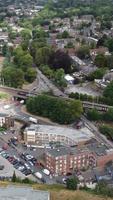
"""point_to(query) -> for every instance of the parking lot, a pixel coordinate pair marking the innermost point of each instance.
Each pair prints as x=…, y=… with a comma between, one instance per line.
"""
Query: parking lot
x=21, y=159
x=8, y=169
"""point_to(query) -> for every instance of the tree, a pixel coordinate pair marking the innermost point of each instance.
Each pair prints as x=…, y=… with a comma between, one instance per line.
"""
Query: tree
x=42, y=55
x=12, y=77
x=108, y=116
x=109, y=43
x=59, y=78
x=65, y=34
x=14, y=177
x=106, y=24
x=100, y=60
x=25, y=34
x=26, y=61
x=36, y=44
x=108, y=91
x=71, y=183
x=93, y=115
x=18, y=53
x=12, y=35
x=39, y=33
x=107, y=131
x=47, y=71
x=4, y=49
x=97, y=74
x=54, y=108
x=110, y=61
x=59, y=59
x=30, y=75
x=83, y=52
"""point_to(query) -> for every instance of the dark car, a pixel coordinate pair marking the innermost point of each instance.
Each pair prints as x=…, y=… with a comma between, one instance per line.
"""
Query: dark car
x=1, y=167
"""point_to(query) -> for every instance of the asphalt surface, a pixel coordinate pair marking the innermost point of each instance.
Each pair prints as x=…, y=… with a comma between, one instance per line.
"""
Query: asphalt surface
x=16, y=151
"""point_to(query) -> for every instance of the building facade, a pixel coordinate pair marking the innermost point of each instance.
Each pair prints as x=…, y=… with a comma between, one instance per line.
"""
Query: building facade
x=66, y=160
x=63, y=161
x=44, y=134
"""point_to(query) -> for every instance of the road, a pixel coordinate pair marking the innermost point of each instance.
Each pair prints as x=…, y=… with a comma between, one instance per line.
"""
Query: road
x=48, y=84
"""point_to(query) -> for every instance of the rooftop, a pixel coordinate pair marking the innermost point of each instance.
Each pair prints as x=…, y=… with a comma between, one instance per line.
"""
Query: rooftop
x=99, y=149
x=78, y=135
x=66, y=151
x=22, y=193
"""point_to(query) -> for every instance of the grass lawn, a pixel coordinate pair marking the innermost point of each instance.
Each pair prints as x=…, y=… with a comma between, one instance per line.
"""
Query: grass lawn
x=58, y=192
x=4, y=95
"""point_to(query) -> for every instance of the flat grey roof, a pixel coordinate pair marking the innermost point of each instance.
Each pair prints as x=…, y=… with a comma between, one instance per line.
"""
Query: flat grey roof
x=78, y=135
x=22, y=193
x=66, y=151
x=98, y=149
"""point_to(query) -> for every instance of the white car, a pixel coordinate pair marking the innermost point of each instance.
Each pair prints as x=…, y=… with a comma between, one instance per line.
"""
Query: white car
x=21, y=168
x=4, y=133
x=31, y=163
x=27, y=166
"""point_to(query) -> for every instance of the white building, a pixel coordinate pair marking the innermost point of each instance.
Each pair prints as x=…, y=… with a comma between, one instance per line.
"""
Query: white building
x=41, y=135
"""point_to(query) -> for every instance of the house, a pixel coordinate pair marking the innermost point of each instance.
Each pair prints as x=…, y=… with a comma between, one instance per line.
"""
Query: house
x=77, y=61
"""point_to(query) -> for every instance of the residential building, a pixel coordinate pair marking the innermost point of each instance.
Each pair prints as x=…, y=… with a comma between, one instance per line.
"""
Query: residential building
x=78, y=61
x=6, y=121
x=44, y=134
x=64, y=160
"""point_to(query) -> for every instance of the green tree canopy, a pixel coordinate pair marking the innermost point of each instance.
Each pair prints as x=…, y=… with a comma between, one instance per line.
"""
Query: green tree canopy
x=30, y=75
x=25, y=34
x=108, y=91
x=42, y=55
x=13, y=77
x=56, y=109
x=83, y=52
x=71, y=183
x=100, y=60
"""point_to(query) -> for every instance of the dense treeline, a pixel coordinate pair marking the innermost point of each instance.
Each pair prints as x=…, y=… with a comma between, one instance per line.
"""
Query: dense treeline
x=97, y=99
x=58, y=110
x=95, y=115
x=107, y=131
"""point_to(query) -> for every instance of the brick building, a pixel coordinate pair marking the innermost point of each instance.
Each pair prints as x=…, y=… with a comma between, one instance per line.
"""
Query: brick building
x=65, y=160
x=6, y=121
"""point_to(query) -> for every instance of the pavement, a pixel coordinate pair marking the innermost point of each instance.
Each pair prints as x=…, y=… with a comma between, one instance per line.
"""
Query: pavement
x=9, y=169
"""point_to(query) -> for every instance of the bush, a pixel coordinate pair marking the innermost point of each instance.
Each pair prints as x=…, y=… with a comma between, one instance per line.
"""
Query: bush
x=71, y=183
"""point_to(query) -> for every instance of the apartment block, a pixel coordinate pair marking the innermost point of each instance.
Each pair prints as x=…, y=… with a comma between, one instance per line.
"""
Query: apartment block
x=44, y=134
x=66, y=160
